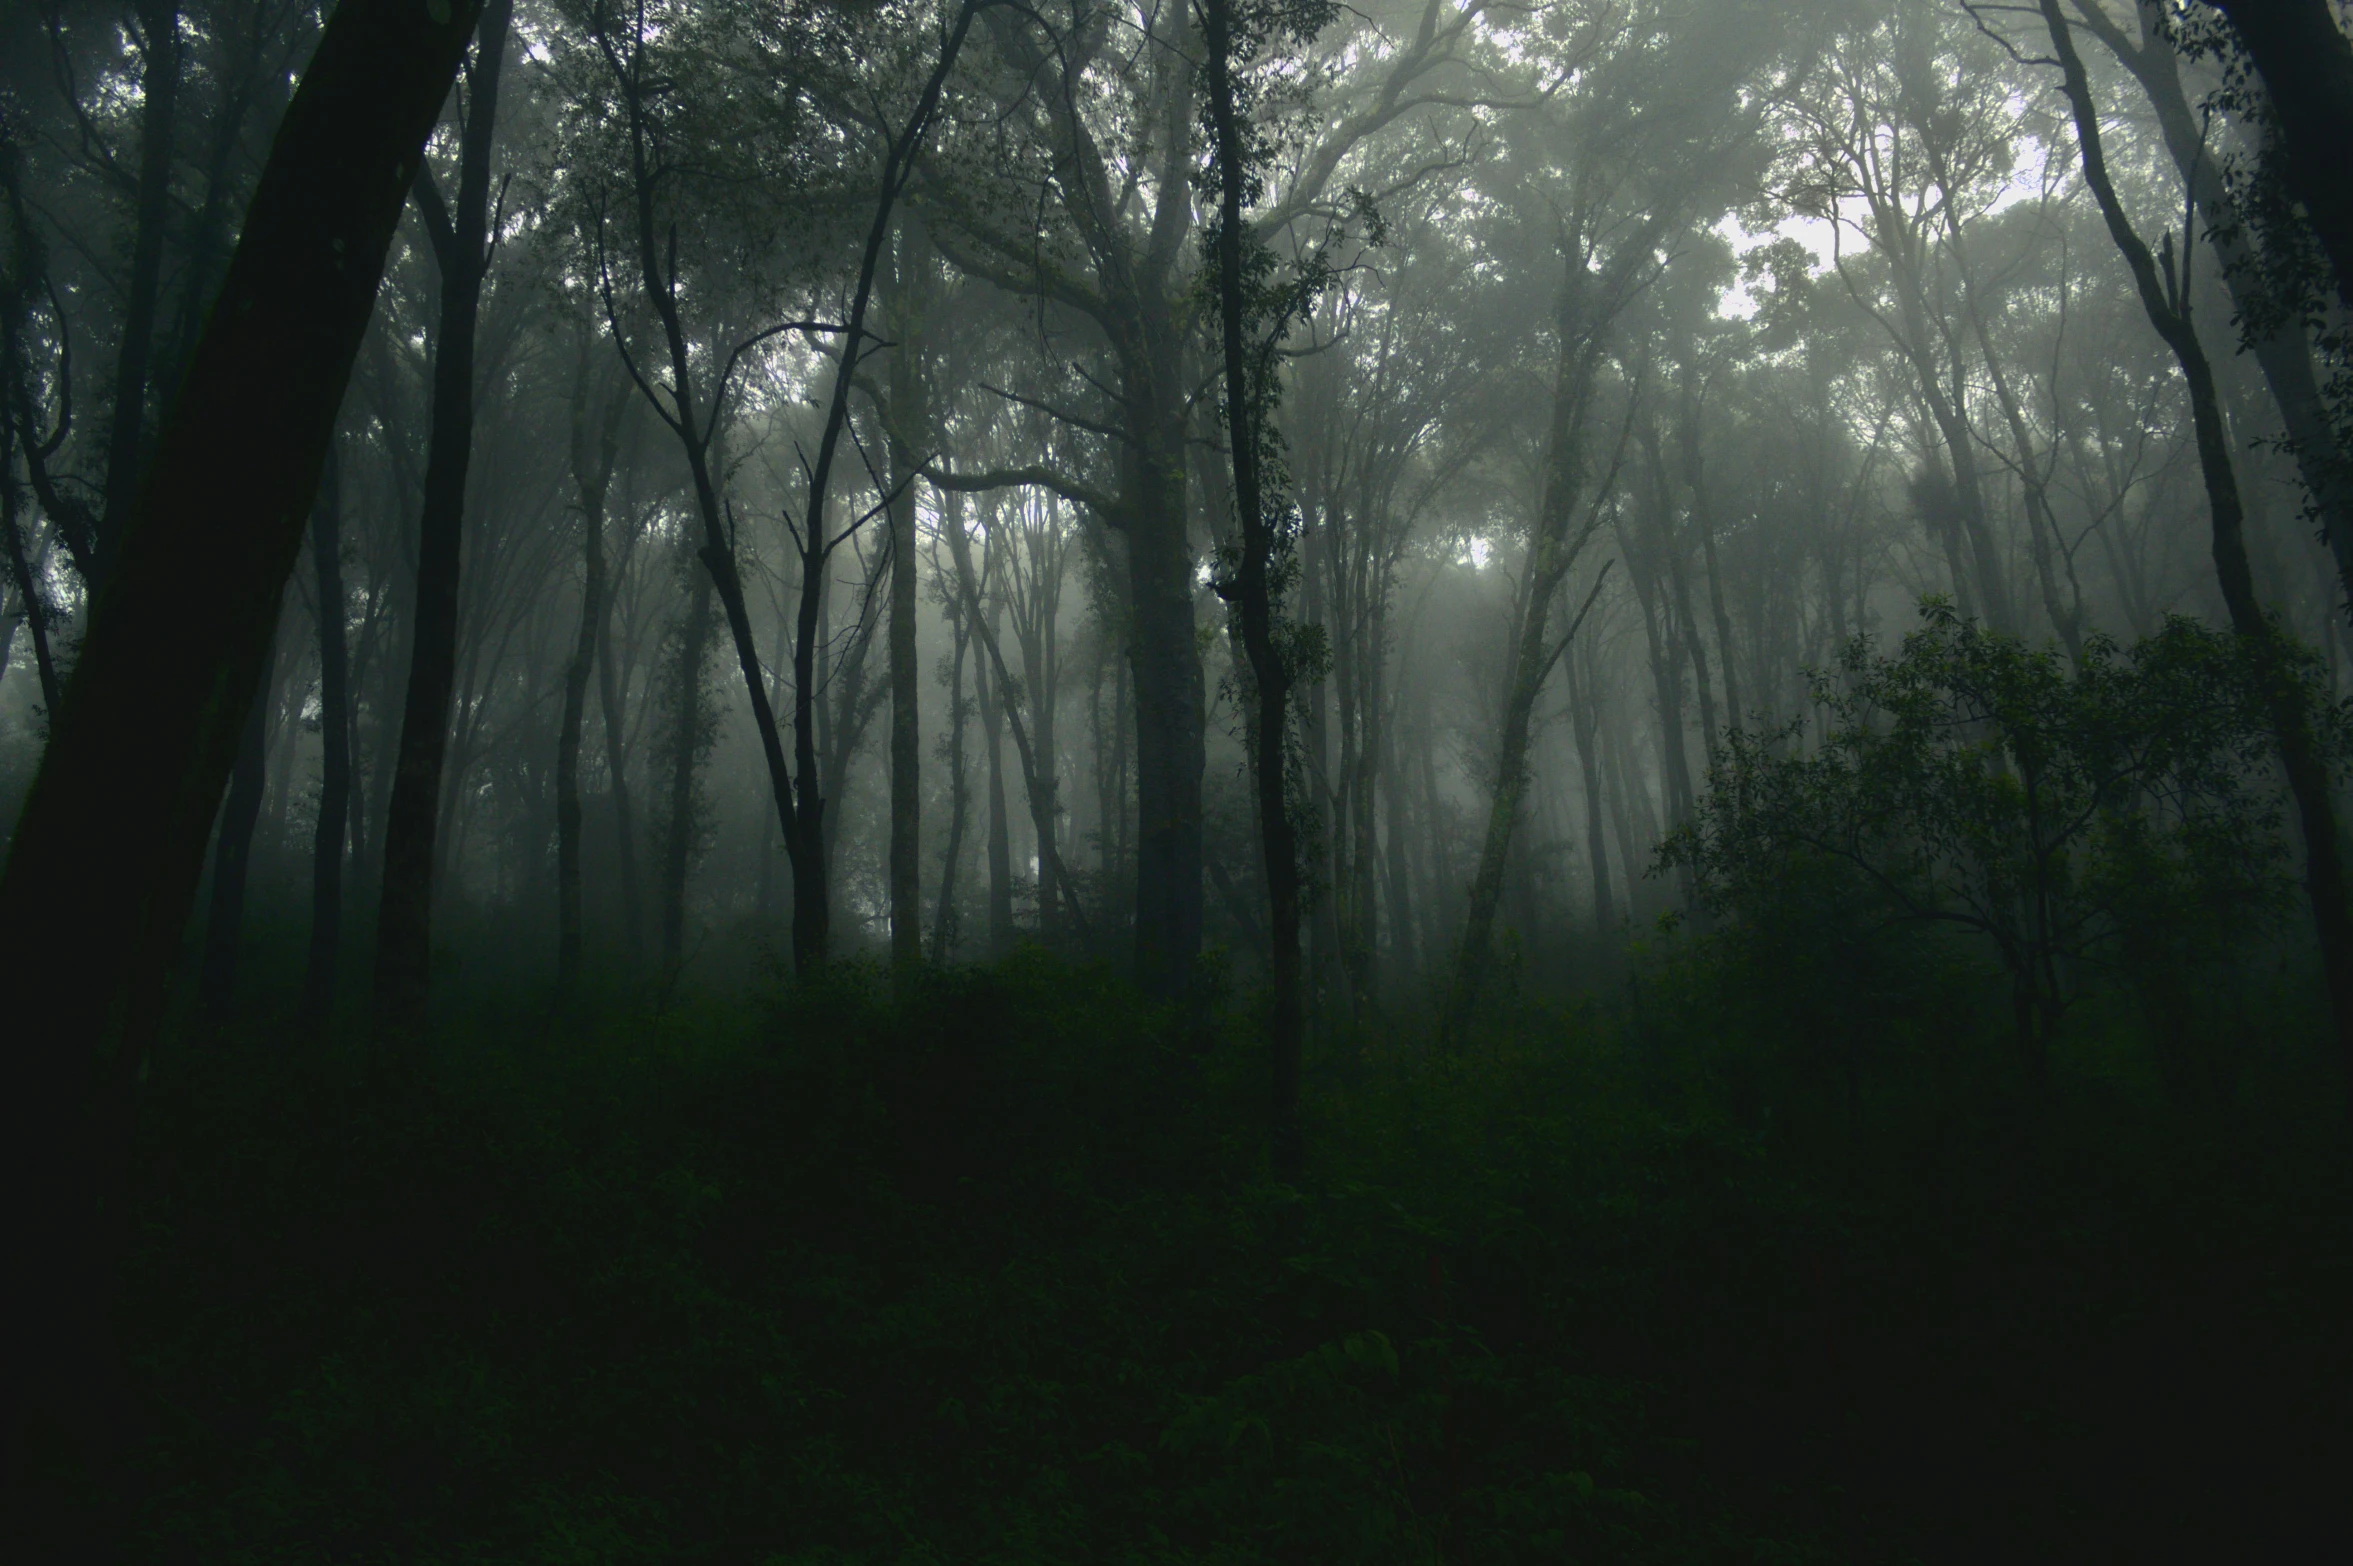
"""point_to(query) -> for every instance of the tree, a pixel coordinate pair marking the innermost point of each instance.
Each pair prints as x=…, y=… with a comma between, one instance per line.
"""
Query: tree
x=110, y=843
x=2298, y=721
x=465, y=240
x=2060, y=813
x=2307, y=67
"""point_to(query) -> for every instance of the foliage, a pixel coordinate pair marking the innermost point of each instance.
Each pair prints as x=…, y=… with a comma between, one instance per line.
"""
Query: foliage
x=2066, y=816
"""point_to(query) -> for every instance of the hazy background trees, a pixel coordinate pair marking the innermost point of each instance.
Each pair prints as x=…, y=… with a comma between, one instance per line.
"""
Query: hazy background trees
x=1654, y=355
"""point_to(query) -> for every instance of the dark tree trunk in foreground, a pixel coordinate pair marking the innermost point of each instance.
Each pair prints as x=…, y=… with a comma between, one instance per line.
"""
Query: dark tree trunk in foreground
x=2308, y=780
x=2307, y=67
x=462, y=243
x=225, y=919
x=593, y=459
x=326, y=870
x=110, y=844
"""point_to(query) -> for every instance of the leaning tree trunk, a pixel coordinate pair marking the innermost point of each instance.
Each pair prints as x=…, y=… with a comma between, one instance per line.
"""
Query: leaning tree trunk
x=2308, y=778
x=326, y=874
x=110, y=844
x=461, y=248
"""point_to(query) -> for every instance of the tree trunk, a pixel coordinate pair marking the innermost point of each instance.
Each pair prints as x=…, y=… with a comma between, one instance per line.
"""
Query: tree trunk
x=2307, y=773
x=943, y=925
x=1002, y=933
x=461, y=247
x=592, y=477
x=906, y=759
x=225, y=919
x=2279, y=345
x=1584, y=726
x=608, y=693
x=2307, y=67
x=326, y=873
x=110, y=844
x=1551, y=555
x=1253, y=591
x=688, y=742
x=159, y=84
x=1703, y=521
x=1404, y=960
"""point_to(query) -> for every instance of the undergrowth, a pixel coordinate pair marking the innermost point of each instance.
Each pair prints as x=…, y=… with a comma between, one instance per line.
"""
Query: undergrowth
x=994, y=1272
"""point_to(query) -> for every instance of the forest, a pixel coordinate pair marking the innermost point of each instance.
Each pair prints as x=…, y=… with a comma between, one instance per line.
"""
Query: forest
x=1216, y=782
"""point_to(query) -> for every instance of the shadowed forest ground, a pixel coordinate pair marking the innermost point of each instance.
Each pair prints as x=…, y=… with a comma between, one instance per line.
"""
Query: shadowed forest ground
x=997, y=1274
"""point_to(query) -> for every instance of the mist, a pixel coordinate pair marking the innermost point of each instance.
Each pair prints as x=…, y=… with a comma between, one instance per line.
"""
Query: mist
x=1411, y=782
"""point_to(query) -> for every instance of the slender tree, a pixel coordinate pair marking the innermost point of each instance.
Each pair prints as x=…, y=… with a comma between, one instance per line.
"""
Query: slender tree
x=595, y=448
x=464, y=240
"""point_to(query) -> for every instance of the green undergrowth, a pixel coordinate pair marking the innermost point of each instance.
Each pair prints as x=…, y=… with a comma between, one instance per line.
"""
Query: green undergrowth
x=994, y=1272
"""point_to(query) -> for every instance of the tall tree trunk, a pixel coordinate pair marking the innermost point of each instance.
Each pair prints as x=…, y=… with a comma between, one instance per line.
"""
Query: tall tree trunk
x=326, y=870
x=110, y=844
x=2308, y=781
x=225, y=920
x=943, y=924
x=1002, y=933
x=1404, y=960
x=608, y=695
x=907, y=413
x=126, y=436
x=461, y=246
x=1252, y=593
x=1584, y=726
x=687, y=745
x=1703, y=522
x=1171, y=732
x=593, y=458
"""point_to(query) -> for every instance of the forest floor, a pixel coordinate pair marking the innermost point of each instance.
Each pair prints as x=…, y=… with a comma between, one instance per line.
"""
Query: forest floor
x=996, y=1274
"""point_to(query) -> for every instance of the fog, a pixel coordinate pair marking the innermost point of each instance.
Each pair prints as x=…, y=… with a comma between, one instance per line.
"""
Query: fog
x=1804, y=546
